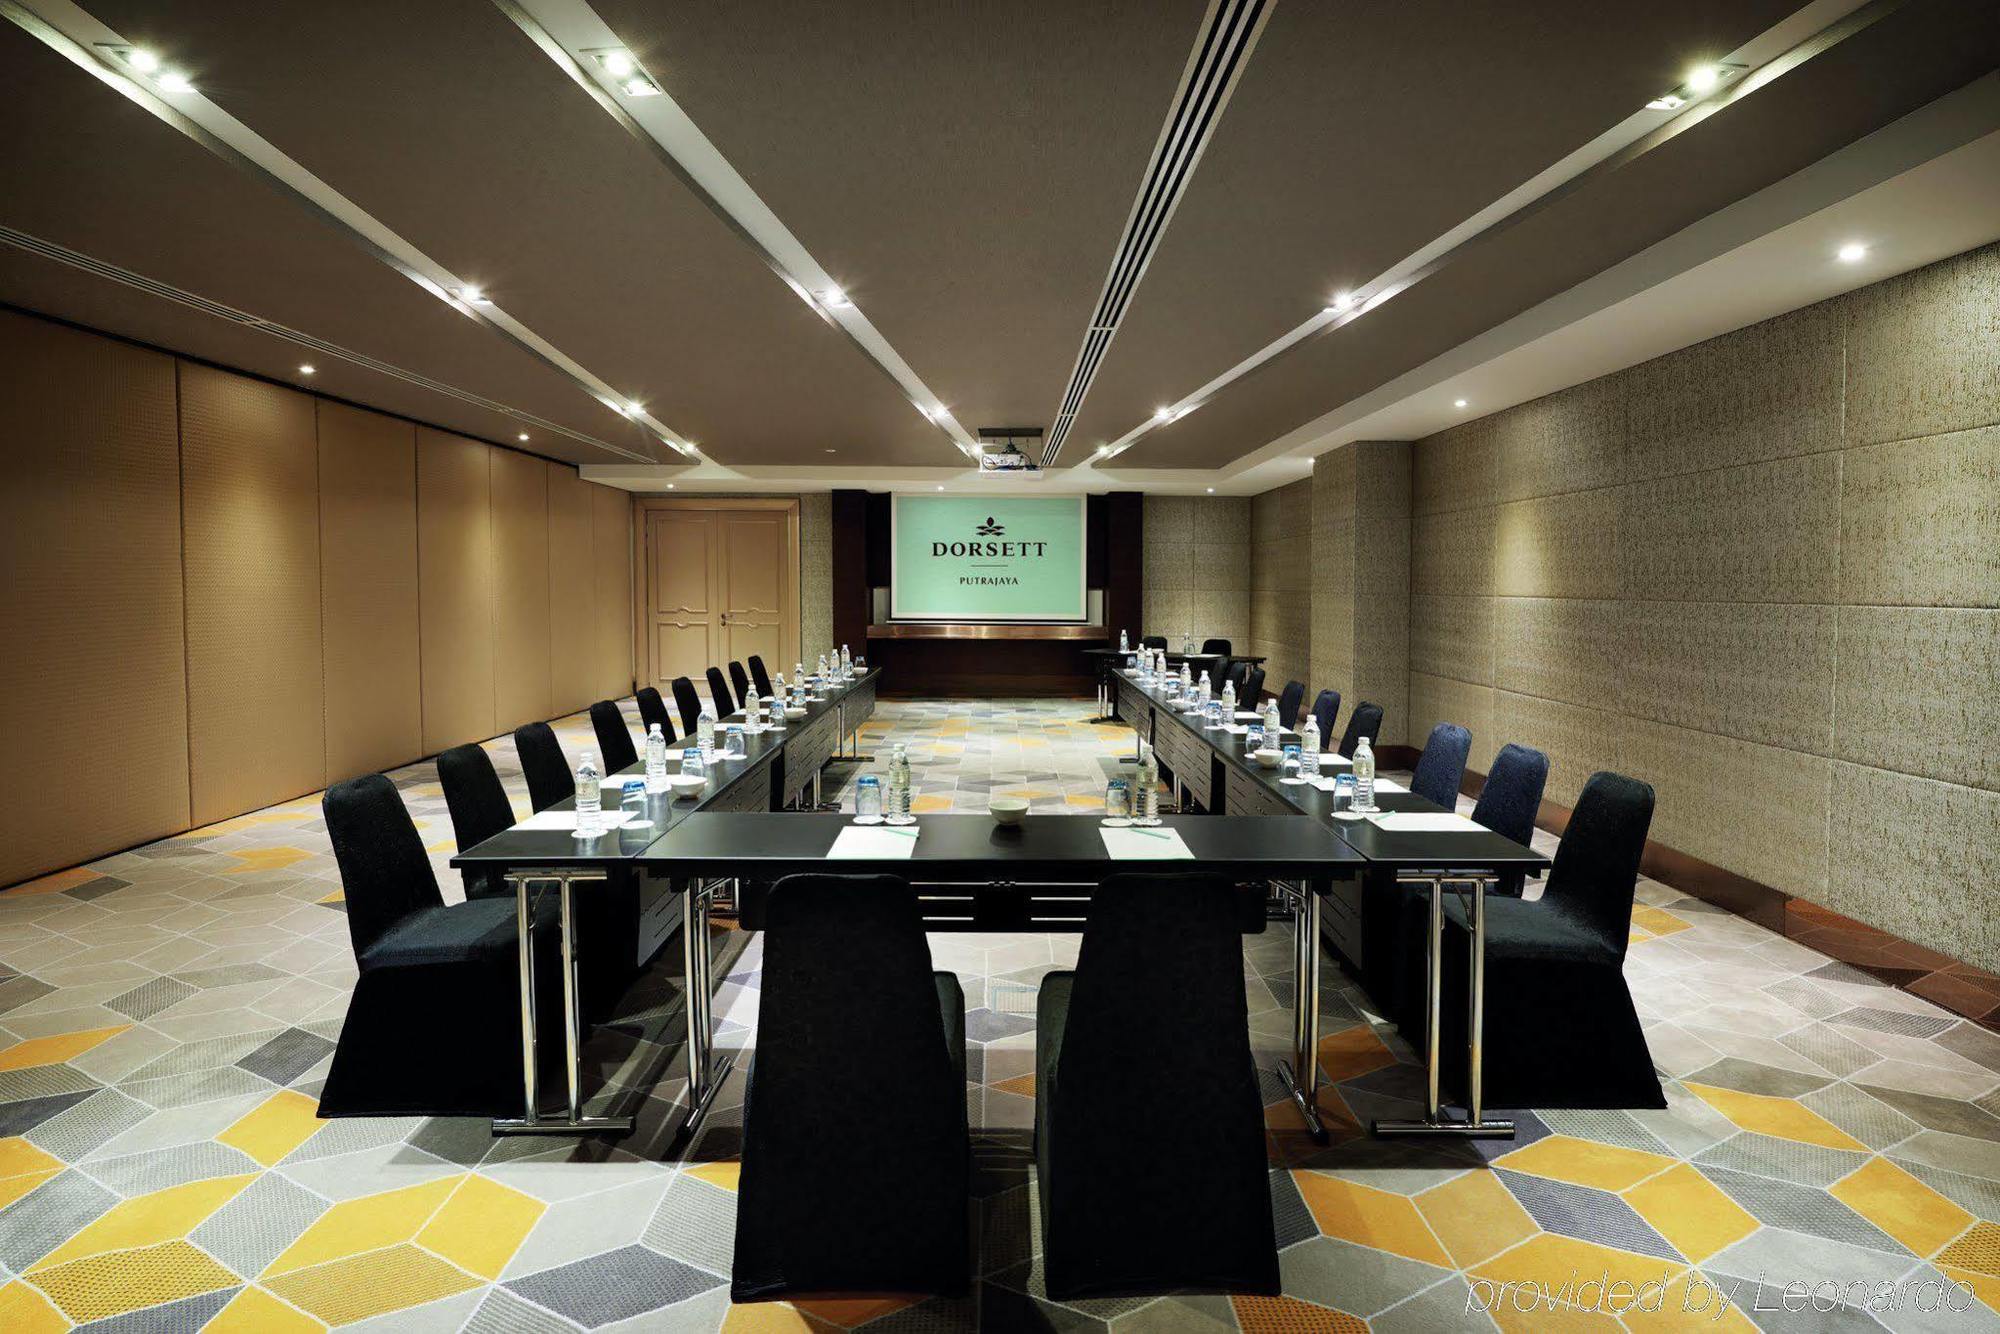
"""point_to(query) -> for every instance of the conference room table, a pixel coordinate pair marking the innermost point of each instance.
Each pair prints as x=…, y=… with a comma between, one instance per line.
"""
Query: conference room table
x=780, y=767
x=1108, y=660
x=1215, y=769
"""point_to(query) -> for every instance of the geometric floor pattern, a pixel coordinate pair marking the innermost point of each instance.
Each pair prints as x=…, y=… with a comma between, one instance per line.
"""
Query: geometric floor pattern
x=166, y=1016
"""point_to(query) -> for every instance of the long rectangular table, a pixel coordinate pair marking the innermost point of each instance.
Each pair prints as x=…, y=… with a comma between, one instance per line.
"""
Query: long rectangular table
x=1215, y=768
x=779, y=767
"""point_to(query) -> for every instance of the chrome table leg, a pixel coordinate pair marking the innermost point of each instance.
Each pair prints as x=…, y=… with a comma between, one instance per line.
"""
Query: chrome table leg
x=705, y=1073
x=532, y=1121
x=1301, y=1076
x=1434, y=1122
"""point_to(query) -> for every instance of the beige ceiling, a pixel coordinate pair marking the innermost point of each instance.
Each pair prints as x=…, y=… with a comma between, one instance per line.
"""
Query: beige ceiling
x=964, y=171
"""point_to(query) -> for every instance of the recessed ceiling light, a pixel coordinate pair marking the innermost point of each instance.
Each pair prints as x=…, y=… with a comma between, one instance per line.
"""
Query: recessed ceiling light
x=1703, y=78
x=1344, y=301
x=833, y=451
x=523, y=436
x=1852, y=253
x=305, y=370
x=143, y=60
x=1667, y=102
x=835, y=298
x=639, y=86
x=472, y=296
x=1211, y=490
x=940, y=488
x=618, y=64
x=670, y=486
x=1458, y=403
x=175, y=82
x=633, y=409
x=1163, y=414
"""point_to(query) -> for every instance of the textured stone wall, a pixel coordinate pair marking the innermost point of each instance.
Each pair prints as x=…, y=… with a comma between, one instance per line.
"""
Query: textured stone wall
x=1280, y=580
x=1197, y=568
x=1762, y=574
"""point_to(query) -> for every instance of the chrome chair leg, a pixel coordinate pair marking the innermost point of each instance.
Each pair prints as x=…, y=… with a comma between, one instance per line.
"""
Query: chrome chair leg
x=1300, y=1076
x=532, y=1121
x=1435, y=1122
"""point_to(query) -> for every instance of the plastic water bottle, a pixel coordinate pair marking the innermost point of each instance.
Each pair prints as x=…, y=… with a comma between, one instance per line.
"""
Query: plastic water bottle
x=1187, y=677
x=1202, y=690
x=1124, y=644
x=1309, y=751
x=1146, y=788
x=704, y=732
x=1228, y=701
x=898, y=802
x=656, y=759
x=692, y=764
x=1364, y=776
x=589, y=795
x=1274, y=726
x=1187, y=642
x=798, y=673
x=822, y=671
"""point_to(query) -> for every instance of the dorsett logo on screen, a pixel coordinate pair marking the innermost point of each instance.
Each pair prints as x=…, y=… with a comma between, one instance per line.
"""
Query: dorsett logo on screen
x=990, y=559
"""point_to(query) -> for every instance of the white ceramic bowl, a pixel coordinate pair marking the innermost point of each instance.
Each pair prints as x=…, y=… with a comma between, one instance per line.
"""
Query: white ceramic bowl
x=1267, y=758
x=1008, y=810
x=683, y=785
x=795, y=713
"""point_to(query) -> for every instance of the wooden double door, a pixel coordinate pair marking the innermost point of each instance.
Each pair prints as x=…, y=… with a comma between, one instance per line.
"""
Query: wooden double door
x=721, y=583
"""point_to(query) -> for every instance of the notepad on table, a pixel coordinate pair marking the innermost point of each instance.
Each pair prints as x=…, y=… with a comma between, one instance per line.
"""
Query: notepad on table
x=879, y=843
x=567, y=820
x=1142, y=845
x=1413, y=822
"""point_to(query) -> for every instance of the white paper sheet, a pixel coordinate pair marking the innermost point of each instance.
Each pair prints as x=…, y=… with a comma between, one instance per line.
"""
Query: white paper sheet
x=1143, y=845
x=1250, y=715
x=1234, y=729
x=1411, y=822
x=567, y=820
x=874, y=843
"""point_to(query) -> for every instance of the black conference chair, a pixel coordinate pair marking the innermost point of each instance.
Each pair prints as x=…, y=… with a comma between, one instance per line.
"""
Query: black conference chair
x=1152, y=641
x=760, y=676
x=615, y=750
x=1156, y=1000
x=1560, y=1027
x=653, y=712
x=1218, y=648
x=1289, y=700
x=740, y=679
x=479, y=809
x=1441, y=768
x=1253, y=688
x=434, y=1025
x=688, y=702
x=856, y=1154
x=1511, y=800
x=718, y=690
x=1366, y=721
x=1326, y=708
x=549, y=776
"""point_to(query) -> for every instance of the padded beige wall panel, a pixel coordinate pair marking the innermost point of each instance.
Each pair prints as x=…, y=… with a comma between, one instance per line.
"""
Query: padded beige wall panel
x=1758, y=810
x=1453, y=553
x=1455, y=469
x=1917, y=692
x=1572, y=441
x=368, y=590
x=573, y=592
x=611, y=528
x=1558, y=547
x=1918, y=856
x=250, y=514
x=92, y=660
x=521, y=589
x=1757, y=671
x=1770, y=391
x=1765, y=532
x=816, y=577
x=455, y=567
x=1578, y=741
x=1923, y=351
x=1451, y=637
x=1559, y=648
x=1920, y=521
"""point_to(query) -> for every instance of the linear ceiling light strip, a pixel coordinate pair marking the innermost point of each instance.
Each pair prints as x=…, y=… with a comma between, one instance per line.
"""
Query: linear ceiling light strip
x=661, y=125
x=1229, y=31
x=90, y=264
x=1631, y=139
x=80, y=38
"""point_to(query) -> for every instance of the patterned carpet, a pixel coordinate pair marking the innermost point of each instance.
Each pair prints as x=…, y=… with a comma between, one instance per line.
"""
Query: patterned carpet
x=166, y=1015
